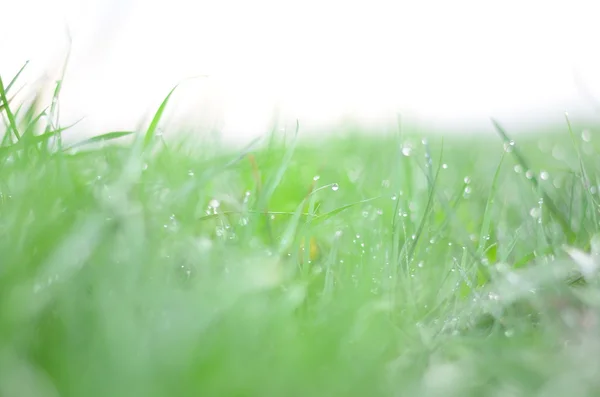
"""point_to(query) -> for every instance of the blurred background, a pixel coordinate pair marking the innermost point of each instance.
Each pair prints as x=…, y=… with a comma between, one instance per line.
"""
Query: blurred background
x=440, y=65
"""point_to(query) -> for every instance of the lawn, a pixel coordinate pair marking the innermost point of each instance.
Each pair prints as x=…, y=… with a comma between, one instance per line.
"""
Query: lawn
x=368, y=264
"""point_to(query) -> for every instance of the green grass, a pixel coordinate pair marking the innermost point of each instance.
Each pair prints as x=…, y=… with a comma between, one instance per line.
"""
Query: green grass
x=461, y=266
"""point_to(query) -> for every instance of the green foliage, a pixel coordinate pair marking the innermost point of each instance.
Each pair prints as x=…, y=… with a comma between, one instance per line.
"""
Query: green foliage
x=143, y=267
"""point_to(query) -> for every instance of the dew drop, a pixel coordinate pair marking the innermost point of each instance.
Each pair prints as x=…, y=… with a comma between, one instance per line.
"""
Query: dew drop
x=586, y=135
x=529, y=174
x=544, y=175
x=406, y=150
x=445, y=166
x=316, y=178
x=335, y=187
x=535, y=212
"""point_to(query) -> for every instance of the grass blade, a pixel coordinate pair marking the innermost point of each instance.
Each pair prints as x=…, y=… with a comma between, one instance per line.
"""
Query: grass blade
x=12, y=123
x=548, y=202
x=151, y=131
x=109, y=136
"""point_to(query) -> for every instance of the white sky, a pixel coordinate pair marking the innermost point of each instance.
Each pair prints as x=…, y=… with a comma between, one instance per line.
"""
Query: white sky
x=436, y=62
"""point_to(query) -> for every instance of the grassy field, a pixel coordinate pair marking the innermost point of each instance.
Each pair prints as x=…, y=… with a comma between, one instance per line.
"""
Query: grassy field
x=368, y=265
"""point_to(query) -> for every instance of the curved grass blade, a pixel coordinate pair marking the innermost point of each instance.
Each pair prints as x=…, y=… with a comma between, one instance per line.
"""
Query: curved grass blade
x=327, y=215
x=276, y=179
x=548, y=202
x=428, y=207
x=584, y=174
x=35, y=139
x=15, y=78
x=151, y=131
x=12, y=123
x=54, y=113
x=109, y=136
x=486, y=222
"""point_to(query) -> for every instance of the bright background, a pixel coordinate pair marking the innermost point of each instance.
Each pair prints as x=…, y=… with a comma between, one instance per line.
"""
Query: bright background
x=437, y=63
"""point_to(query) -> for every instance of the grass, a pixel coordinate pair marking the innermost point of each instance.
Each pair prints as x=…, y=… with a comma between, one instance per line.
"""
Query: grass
x=394, y=265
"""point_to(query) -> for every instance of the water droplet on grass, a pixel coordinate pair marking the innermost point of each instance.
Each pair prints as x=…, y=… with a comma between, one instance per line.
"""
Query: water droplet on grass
x=335, y=187
x=544, y=175
x=535, y=212
x=518, y=169
x=316, y=178
x=558, y=153
x=586, y=135
x=445, y=166
x=214, y=203
x=406, y=151
x=467, y=179
x=529, y=174
x=190, y=173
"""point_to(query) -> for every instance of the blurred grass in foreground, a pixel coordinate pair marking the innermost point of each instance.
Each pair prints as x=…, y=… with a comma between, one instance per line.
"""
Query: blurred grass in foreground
x=382, y=266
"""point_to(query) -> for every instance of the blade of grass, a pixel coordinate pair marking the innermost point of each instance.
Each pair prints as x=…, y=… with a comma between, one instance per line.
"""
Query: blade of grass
x=428, y=207
x=486, y=221
x=109, y=136
x=152, y=128
x=35, y=139
x=548, y=202
x=53, y=114
x=329, y=214
x=151, y=131
x=277, y=177
x=16, y=77
x=584, y=174
x=12, y=123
